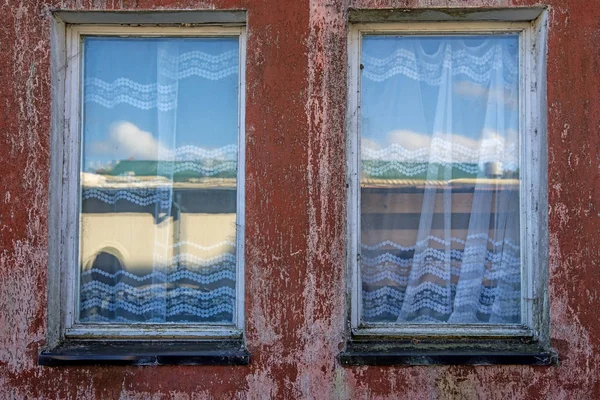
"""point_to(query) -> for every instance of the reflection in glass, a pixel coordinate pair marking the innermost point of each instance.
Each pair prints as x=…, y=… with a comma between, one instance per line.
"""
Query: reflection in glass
x=158, y=181
x=440, y=179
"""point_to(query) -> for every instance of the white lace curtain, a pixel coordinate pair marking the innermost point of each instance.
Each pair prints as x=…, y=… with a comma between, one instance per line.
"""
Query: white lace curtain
x=159, y=181
x=440, y=179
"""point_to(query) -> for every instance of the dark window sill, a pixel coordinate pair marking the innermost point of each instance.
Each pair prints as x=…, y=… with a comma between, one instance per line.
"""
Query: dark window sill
x=446, y=352
x=223, y=352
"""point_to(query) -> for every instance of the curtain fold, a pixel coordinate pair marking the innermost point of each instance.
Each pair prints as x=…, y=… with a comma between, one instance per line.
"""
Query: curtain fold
x=440, y=179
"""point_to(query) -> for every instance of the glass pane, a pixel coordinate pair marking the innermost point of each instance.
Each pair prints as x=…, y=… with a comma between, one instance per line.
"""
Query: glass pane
x=440, y=179
x=158, y=180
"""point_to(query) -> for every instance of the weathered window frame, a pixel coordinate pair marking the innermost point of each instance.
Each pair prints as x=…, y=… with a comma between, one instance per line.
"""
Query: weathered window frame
x=362, y=348
x=68, y=28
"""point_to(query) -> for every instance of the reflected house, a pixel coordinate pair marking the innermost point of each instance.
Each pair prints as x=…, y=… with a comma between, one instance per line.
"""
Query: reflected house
x=147, y=235
x=396, y=199
x=419, y=212
x=146, y=230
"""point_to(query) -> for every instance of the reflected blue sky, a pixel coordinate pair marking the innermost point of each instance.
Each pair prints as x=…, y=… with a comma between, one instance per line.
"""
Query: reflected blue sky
x=120, y=99
x=477, y=91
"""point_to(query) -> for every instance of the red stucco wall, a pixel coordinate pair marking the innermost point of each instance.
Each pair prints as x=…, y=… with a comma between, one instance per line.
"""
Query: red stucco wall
x=295, y=243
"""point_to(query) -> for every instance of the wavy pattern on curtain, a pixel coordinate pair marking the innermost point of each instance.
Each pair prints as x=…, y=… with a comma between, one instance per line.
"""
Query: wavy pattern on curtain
x=159, y=204
x=476, y=63
x=440, y=180
x=163, y=97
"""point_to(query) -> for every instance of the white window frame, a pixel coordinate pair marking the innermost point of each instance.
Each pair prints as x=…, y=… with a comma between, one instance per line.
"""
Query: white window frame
x=64, y=257
x=533, y=187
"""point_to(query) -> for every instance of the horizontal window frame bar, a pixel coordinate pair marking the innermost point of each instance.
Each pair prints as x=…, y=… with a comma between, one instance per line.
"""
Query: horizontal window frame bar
x=468, y=15
x=146, y=332
x=446, y=28
x=441, y=330
x=152, y=31
x=223, y=352
x=150, y=17
x=447, y=352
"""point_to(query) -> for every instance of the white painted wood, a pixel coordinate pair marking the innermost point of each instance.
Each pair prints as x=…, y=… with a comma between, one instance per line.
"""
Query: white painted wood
x=528, y=176
x=58, y=77
x=444, y=28
x=352, y=179
x=443, y=330
x=152, y=331
x=514, y=14
x=241, y=188
x=65, y=234
x=72, y=144
x=538, y=221
x=524, y=122
x=533, y=166
x=153, y=31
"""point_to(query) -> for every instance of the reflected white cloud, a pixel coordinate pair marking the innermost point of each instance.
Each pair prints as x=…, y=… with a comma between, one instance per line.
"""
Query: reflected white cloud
x=500, y=95
x=409, y=146
x=126, y=140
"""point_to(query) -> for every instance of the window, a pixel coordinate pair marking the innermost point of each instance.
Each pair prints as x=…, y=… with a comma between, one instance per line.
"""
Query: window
x=446, y=180
x=152, y=206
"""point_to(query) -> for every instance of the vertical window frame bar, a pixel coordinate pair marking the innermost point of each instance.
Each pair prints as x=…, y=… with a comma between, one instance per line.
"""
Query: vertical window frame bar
x=240, y=219
x=353, y=180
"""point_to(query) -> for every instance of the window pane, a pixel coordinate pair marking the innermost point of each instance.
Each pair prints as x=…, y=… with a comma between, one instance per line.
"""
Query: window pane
x=440, y=179
x=158, y=181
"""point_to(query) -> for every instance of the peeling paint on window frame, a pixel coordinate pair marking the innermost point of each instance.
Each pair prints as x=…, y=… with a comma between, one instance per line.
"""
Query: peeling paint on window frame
x=534, y=201
x=66, y=62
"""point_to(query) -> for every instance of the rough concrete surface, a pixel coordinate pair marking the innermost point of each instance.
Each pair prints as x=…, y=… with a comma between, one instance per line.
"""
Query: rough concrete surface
x=295, y=216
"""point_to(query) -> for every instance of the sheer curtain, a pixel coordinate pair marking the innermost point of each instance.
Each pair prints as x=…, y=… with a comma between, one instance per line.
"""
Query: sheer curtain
x=440, y=179
x=158, y=211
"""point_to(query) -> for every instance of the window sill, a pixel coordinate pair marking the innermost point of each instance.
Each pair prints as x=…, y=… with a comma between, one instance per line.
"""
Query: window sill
x=446, y=352
x=225, y=352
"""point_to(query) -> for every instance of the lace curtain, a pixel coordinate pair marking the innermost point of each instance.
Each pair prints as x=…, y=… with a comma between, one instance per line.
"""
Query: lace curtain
x=440, y=179
x=158, y=187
